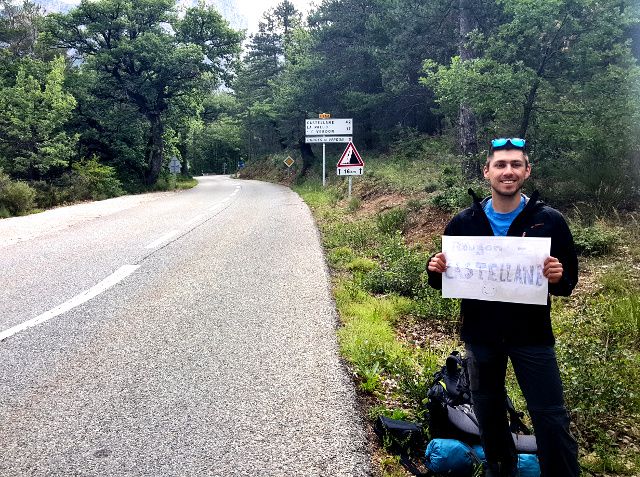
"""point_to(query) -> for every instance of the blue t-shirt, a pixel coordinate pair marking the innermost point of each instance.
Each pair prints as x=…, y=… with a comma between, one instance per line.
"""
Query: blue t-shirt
x=500, y=223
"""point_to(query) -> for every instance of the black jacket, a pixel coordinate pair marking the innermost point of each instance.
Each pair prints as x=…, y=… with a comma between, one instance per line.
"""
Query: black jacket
x=515, y=323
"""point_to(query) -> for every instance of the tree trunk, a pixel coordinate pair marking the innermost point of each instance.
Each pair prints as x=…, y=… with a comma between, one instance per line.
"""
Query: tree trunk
x=466, y=119
x=156, y=146
x=468, y=143
x=307, y=156
x=528, y=108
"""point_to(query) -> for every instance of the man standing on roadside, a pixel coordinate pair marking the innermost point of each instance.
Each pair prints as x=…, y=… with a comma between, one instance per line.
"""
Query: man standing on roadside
x=496, y=331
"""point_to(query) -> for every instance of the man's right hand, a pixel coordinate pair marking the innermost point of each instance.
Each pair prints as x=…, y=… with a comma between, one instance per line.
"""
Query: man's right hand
x=437, y=263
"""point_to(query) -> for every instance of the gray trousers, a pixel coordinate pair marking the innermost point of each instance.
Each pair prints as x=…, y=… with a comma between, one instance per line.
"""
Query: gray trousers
x=537, y=372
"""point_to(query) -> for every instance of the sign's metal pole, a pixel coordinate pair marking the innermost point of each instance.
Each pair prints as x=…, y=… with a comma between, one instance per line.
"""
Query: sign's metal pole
x=324, y=175
x=350, y=177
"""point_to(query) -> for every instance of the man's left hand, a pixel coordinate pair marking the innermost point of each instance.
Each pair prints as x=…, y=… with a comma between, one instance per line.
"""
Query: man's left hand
x=552, y=269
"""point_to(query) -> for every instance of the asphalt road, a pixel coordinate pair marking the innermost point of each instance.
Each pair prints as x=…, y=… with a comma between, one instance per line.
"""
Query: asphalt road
x=173, y=334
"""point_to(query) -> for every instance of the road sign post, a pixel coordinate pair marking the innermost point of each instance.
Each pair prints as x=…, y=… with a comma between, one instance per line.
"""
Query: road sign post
x=174, y=168
x=350, y=164
x=324, y=164
x=326, y=130
x=289, y=161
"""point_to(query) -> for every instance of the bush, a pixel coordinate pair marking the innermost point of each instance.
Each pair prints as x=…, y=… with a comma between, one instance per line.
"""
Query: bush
x=354, y=204
x=402, y=270
x=340, y=256
x=367, y=338
x=361, y=265
x=452, y=199
x=47, y=194
x=595, y=240
x=361, y=235
x=392, y=221
x=16, y=198
x=95, y=181
x=598, y=355
x=429, y=304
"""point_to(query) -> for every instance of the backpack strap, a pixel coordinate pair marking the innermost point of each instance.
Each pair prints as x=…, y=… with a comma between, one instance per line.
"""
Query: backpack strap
x=411, y=467
x=515, y=418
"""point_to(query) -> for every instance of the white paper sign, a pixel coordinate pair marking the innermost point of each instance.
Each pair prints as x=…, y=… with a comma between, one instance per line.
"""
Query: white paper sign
x=496, y=268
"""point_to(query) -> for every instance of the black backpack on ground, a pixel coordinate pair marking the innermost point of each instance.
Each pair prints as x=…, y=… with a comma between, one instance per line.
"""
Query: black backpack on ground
x=450, y=412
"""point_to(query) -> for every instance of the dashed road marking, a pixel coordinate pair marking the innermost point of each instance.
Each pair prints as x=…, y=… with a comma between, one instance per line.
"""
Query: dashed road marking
x=165, y=238
x=117, y=276
x=195, y=219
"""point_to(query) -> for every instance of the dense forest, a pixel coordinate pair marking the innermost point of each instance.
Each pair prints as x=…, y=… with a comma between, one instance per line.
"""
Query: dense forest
x=96, y=101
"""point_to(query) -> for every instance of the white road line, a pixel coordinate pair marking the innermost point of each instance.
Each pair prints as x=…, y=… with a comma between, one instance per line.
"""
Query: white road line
x=195, y=219
x=162, y=239
x=117, y=276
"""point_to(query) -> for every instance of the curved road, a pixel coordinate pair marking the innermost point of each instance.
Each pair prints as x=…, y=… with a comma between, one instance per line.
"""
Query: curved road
x=173, y=334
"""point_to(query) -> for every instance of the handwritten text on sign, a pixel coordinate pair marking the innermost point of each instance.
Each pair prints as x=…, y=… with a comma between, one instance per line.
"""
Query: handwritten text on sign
x=496, y=268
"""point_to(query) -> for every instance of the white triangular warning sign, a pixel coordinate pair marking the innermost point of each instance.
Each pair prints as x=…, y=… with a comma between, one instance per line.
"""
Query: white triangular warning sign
x=350, y=157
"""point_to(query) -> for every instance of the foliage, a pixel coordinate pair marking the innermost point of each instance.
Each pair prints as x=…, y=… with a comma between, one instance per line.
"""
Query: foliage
x=453, y=193
x=216, y=147
x=19, y=25
x=401, y=270
x=594, y=240
x=95, y=181
x=33, y=113
x=354, y=204
x=171, y=64
x=563, y=75
x=16, y=198
x=598, y=354
x=391, y=221
x=361, y=265
x=452, y=199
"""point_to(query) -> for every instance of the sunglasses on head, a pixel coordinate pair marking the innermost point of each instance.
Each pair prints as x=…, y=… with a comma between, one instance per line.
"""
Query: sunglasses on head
x=502, y=141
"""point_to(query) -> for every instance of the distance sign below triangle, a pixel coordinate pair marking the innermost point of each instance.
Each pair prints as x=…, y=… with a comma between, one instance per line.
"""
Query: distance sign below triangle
x=350, y=157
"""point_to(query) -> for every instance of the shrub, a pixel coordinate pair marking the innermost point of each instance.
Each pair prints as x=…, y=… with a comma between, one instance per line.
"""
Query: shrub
x=361, y=235
x=361, y=265
x=354, y=204
x=414, y=205
x=401, y=271
x=16, y=198
x=392, y=221
x=598, y=356
x=371, y=377
x=340, y=256
x=47, y=194
x=595, y=240
x=96, y=181
x=367, y=337
x=430, y=304
x=452, y=199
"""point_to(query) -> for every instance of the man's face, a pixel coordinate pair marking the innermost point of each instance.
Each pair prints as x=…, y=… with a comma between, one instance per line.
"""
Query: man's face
x=507, y=171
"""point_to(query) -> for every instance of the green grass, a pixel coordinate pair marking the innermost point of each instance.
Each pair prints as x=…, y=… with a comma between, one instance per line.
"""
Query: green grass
x=380, y=283
x=186, y=183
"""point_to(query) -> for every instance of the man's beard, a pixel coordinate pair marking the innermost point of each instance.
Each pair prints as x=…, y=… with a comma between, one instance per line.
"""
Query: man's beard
x=507, y=194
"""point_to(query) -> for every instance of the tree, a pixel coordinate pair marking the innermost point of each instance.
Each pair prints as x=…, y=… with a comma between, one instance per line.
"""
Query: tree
x=33, y=113
x=262, y=66
x=561, y=74
x=146, y=56
x=468, y=140
x=19, y=27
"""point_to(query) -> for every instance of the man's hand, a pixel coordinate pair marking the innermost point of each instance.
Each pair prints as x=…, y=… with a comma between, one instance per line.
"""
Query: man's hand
x=437, y=263
x=552, y=269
